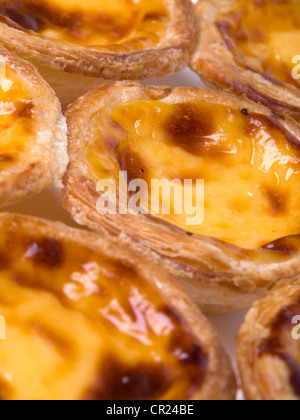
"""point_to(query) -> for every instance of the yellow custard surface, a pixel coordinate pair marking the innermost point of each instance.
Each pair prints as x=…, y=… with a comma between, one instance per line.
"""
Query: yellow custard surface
x=82, y=325
x=249, y=164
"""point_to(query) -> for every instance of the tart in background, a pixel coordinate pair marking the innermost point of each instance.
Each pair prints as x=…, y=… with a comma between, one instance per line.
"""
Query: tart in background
x=269, y=347
x=76, y=44
x=33, y=149
x=251, y=47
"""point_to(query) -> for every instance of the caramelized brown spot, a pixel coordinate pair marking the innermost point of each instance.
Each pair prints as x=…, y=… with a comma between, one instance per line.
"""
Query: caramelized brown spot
x=124, y=382
x=47, y=252
x=25, y=109
x=190, y=354
x=187, y=351
x=133, y=164
x=288, y=245
x=5, y=157
x=191, y=128
x=277, y=201
x=275, y=344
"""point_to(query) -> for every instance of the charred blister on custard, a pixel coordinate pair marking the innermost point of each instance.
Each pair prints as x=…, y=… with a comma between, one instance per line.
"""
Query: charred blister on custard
x=6, y=158
x=277, y=343
x=192, y=127
x=17, y=109
x=289, y=245
x=47, y=252
x=186, y=362
x=133, y=164
x=277, y=201
x=118, y=380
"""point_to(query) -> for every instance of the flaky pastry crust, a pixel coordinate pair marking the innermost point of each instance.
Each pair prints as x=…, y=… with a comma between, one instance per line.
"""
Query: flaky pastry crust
x=218, y=276
x=214, y=59
x=268, y=347
x=88, y=66
x=29, y=171
x=54, y=251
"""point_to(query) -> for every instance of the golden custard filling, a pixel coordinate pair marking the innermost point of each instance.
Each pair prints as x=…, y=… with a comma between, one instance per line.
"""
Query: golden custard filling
x=81, y=325
x=249, y=164
x=16, y=117
x=266, y=36
x=128, y=23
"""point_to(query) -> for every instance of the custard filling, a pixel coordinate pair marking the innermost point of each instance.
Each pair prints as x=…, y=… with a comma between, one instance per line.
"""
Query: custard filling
x=265, y=34
x=81, y=325
x=249, y=164
x=123, y=23
x=16, y=117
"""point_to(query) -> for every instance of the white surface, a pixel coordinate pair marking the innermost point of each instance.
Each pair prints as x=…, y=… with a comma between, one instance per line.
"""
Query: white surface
x=49, y=205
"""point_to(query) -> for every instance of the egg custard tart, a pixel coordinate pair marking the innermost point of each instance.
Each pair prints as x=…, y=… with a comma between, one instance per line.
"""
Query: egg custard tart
x=252, y=47
x=269, y=347
x=228, y=243
x=33, y=147
x=76, y=44
x=87, y=319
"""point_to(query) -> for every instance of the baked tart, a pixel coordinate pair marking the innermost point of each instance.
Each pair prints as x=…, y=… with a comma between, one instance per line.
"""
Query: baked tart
x=251, y=47
x=77, y=44
x=33, y=149
x=87, y=319
x=247, y=157
x=269, y=347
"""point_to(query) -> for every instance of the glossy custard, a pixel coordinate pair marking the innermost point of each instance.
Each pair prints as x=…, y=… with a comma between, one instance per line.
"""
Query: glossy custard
x=16, y=117
x=281, y=344
x=266, y=36
x=249, y=164
x=132, y=23
x=81, y=325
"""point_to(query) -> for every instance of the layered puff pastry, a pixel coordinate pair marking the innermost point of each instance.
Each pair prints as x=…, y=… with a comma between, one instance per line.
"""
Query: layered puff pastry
x=33, y=148
x=248, y=157
x=269, y=347
x=251, y=47
x=78, y=44
x=87, y=319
